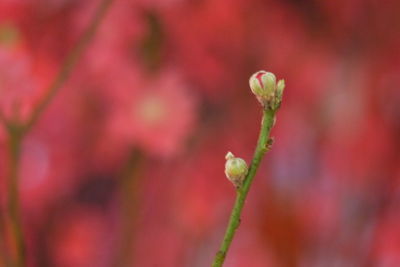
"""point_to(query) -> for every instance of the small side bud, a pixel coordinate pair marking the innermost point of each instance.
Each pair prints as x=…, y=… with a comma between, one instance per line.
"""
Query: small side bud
x=280, y=87
x=235, y=169
x=279, y=92
x=268, y=92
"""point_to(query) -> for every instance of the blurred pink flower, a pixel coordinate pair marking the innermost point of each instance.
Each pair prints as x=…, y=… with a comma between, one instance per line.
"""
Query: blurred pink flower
x=157, y=117
x=80, y=239
x=111, y=57
x=52, y=153
x=197, y=204
x=207, y=50
x=387, y=241
x=47, y=173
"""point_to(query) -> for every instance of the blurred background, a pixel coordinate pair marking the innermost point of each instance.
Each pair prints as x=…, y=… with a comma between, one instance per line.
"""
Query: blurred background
x=126, y=165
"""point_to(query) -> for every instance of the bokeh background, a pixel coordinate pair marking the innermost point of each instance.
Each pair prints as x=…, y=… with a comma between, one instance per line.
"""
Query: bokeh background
x=125, y=167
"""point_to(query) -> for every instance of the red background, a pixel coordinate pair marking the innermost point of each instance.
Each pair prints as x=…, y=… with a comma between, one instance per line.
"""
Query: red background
x=125, y=167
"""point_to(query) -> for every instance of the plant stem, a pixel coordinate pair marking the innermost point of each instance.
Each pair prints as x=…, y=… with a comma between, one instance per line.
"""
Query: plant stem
x=130, y=184
x=4, y=259
x=241, y=194
x=69, y=63
x=15, y=139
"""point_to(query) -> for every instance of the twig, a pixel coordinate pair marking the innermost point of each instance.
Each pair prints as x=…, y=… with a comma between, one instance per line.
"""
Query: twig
x=17, y=132
x=15, y=139
x=234, y=221
x=129, y=188
x=269, y=93
x=69, y=63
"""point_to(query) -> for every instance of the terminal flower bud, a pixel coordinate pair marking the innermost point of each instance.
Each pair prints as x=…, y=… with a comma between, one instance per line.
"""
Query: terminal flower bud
x=268, y=92
x=268, y=81
x=235, y=169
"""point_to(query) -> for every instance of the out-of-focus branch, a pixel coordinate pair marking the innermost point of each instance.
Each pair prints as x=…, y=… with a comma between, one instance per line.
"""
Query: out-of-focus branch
x=69, y=63
x=16, y=132
x=129, y=189
x=15, y=141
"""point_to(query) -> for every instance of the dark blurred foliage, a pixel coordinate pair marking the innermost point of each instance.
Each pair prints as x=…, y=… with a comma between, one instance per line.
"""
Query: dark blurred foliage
x=125, y=167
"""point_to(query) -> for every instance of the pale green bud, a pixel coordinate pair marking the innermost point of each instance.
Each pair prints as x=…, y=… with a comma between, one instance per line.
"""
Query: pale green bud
x=255, y=85
x=235, y=169
x=268, y=92
x=280, y=87
x=269, y=82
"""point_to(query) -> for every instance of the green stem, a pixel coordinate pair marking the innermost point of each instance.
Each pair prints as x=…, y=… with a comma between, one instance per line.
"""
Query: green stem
x=241, y=194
